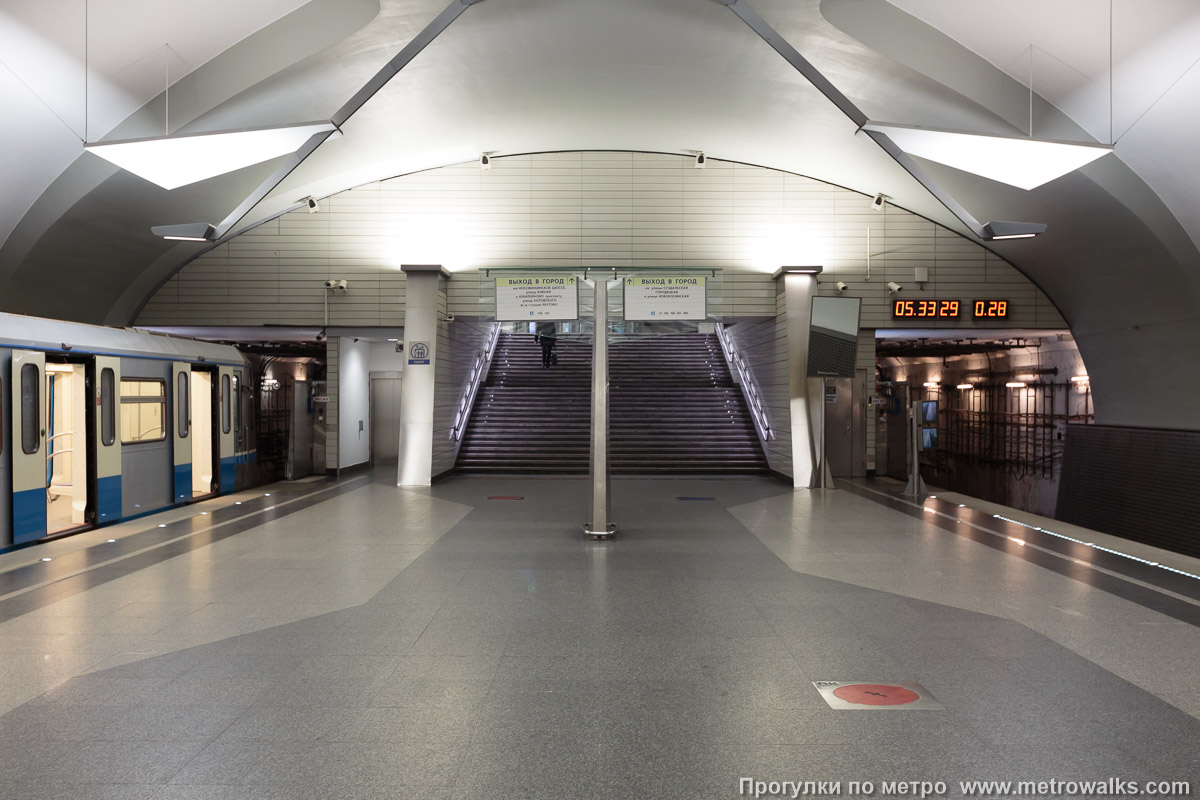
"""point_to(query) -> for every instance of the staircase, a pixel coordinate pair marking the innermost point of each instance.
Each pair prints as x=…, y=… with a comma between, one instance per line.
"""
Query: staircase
x=527, y=419
x=674, y=409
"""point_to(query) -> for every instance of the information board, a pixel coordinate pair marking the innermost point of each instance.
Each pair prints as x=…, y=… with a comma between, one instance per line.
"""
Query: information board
x=537, y=297
x=654, y=297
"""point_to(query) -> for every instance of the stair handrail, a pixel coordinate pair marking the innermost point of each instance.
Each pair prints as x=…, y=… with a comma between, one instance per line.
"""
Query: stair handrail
x=750, y=390
x=483, y=360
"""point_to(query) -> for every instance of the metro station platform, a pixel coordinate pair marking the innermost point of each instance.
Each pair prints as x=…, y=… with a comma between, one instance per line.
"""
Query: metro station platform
x=320, y=640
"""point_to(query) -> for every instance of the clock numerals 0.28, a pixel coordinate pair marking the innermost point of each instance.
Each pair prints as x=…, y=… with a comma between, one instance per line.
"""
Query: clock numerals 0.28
x=991, y=309
x=926, y=309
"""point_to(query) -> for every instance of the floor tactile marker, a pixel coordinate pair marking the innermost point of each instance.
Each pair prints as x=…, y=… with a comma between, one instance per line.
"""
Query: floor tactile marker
x=877, y=696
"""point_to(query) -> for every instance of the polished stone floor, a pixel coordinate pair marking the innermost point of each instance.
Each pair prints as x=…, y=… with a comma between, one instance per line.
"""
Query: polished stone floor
x=355, y=640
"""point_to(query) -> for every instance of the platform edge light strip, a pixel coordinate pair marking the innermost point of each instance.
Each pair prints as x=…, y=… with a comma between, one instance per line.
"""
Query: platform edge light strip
x=1097, y=547
x=174, y=161
x=1022, y=162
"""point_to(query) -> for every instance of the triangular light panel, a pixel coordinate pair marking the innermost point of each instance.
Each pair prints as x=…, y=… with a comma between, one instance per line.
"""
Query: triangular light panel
x=1024, y=163
x=173, y=161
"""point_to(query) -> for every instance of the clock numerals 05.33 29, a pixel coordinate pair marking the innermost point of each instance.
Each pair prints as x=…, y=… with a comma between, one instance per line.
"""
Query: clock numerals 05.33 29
x=926, y=309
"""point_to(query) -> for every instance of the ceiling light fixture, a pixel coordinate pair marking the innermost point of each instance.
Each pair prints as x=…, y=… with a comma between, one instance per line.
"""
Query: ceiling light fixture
x=797, y=271
x=174, y=161
x=966, y=386
x=1018, y=161
x=1015, y=385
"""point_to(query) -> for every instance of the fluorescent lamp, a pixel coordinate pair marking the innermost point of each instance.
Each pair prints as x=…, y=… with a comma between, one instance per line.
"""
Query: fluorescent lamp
x=1079, y=379
x=798, y=271
x=1021, y=162
x=930, y=384
x=174, y=161
x=1015, y=385
x=188, y=232
x=966, y=386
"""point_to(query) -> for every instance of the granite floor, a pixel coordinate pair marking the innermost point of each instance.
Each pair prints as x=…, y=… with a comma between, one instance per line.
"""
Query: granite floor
x=356, y=640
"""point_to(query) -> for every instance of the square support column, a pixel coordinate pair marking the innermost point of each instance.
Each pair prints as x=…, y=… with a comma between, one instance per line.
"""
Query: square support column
x=415, y=467
x=804, y=392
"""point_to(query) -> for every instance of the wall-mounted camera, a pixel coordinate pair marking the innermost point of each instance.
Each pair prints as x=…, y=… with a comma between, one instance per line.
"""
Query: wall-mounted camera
x=337, y=287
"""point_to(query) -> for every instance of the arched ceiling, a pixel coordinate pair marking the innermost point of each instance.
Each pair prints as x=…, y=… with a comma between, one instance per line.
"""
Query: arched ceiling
x=666, y=75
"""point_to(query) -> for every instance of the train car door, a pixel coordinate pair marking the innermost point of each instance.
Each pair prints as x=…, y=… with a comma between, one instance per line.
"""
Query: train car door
x=28, y=446
x=67, y=473
x=6, y=432
x=203, y=412
x=181, y=431
x=107, y=431
x=227, y=430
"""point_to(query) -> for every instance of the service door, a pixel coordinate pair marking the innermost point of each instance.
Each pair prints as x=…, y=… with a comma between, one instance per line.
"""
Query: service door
x=107, y=431
x=28, y=446
x=181, y=430
x=227, y=430
x=5, y=449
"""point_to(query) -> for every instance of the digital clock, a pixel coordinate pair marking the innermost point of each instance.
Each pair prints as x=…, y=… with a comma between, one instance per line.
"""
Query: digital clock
x=926, y=309
x=990, y=309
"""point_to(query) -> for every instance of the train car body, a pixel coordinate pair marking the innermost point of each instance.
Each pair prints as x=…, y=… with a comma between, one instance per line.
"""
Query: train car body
x=103, y=424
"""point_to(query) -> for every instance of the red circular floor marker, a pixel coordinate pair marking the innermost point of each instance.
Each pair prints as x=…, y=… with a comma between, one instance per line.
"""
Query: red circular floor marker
x=876, y=694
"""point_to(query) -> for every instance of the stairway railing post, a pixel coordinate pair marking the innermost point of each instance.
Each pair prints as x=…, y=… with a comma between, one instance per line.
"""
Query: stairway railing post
x=598, y=464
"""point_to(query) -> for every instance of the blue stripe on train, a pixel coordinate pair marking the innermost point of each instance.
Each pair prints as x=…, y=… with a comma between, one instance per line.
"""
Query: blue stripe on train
x=29, y=515
x=183, y=483
x=228, y=473
x=108, y=499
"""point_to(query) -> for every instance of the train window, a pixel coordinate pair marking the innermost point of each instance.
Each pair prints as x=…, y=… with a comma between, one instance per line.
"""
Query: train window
x=108, y=411
x=181, y=403
x=226, y=405
x=31, y=437
x=143, y=410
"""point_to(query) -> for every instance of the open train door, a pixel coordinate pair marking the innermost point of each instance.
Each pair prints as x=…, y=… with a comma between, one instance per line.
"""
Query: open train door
x=28, y=446
x=181, y=435
x=107, y=431
x=227, y=431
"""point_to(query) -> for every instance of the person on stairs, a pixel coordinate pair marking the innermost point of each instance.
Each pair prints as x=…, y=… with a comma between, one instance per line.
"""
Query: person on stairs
x=545, y=337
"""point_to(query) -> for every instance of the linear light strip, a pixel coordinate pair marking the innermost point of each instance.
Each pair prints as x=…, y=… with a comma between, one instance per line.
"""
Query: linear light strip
x=1099, y=547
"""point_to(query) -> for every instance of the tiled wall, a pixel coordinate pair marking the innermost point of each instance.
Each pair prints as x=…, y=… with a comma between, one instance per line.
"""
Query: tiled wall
x=574, y=210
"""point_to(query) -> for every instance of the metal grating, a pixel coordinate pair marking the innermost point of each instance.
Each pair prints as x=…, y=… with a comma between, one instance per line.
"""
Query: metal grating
x=1139, y=483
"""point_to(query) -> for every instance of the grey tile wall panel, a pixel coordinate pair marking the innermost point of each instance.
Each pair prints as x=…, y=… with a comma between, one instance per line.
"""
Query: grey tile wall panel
x=573, y=210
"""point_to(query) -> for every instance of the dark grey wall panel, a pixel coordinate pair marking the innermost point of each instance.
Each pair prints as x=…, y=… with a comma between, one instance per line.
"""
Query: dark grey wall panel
x=5, y=451
x=1139, y=483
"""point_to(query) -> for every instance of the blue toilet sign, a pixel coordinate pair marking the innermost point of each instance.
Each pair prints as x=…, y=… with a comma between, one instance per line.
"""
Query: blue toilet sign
x=418, y=353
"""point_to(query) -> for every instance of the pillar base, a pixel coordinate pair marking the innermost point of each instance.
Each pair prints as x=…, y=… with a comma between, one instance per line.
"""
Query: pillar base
x=610, y=532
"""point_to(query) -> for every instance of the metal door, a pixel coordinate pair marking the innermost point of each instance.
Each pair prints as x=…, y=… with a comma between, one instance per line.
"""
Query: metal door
x=107, y=434
x=6, y=436
x=845, y=425
x=28, y=445
x=227, y=430
x=181, y=429
x=385, y=420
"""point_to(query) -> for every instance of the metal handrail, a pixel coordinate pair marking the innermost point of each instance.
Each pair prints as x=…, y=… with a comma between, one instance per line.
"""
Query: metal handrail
x=750, y=390
x=466, y=402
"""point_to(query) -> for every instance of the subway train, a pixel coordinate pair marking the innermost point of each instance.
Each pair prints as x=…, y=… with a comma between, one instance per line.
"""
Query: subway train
x=103, y=424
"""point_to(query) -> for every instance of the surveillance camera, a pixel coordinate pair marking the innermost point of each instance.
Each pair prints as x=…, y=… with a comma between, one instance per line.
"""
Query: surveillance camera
x=842, y=286
x=311, y=202
x=330, y=284
x=878, y=202
x=341, y=287
x=321, y=335
x=701, y=160
x=448, y=318
x=485, y=161
x=400, y=346
x=894, y=287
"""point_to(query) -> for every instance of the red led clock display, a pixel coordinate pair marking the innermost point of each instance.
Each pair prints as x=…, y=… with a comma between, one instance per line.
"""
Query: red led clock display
x=926, y=309
x=991, y=309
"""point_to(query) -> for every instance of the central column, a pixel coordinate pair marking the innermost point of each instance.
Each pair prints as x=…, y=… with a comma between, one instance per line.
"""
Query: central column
x=415, y=466
x=799, y=286
x=599, y=527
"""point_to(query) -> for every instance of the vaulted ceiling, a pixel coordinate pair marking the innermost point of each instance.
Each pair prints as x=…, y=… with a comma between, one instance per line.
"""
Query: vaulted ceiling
x=1120, y=257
